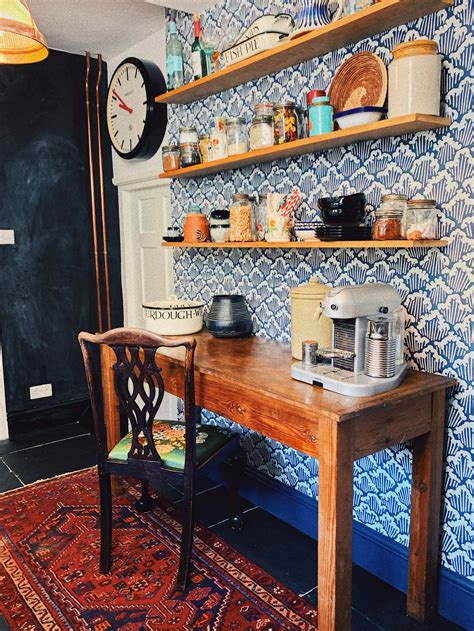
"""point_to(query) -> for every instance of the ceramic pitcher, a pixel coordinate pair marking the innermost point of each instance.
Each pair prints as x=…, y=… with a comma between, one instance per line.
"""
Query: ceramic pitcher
x=311, y=14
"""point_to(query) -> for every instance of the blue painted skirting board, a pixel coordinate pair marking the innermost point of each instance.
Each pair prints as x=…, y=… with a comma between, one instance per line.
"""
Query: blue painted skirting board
x=373, y=551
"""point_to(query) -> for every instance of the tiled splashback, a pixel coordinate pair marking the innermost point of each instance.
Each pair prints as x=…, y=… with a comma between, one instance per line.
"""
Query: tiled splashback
x=436, y=285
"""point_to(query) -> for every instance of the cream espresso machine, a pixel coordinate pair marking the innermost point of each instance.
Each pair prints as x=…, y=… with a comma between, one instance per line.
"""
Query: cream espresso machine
x=367, y=353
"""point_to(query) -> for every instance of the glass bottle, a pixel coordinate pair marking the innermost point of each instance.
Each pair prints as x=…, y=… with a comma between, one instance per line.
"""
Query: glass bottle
x=242, y=224
x=174, y=58
x=198, y=54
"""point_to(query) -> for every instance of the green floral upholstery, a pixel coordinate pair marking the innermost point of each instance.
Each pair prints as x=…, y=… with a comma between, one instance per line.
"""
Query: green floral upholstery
x=169, y=441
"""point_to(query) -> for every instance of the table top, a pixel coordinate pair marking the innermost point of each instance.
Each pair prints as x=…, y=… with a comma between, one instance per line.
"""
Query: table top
x=263, y=365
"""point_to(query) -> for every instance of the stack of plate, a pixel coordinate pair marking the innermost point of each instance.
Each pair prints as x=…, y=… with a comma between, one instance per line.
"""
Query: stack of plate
x=343, y=233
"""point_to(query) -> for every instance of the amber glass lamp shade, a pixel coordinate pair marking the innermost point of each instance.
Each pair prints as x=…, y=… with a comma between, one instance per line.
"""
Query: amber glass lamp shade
x=20, y=40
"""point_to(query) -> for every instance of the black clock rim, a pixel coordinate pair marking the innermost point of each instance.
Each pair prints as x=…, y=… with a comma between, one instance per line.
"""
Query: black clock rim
x=156, y=113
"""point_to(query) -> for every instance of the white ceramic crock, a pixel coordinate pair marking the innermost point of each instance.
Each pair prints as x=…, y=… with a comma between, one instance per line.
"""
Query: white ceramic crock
x=173, y=316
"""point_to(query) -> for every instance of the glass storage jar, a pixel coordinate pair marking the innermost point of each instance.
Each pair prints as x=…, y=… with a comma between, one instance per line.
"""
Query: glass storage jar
x=261, y=132
x=261, y=217
x=242, y=223
x=388, y=225
x=170, y=155
x=397, y=202
x=236, y=136
x=264, y=109
x=189, y=154
x=421, y=219
x=218, y=137
x=188, y=135
x=205, y=147
x=285, y=122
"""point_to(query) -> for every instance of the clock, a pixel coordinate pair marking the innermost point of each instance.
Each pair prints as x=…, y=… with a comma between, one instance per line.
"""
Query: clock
x=135, y=122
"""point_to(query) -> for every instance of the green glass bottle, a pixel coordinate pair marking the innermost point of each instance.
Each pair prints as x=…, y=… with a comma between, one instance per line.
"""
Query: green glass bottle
x=198, y=54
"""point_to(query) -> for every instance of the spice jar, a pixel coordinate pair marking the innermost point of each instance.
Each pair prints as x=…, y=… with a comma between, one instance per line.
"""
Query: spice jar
x=414, y=79
x=320, y=115
x=242, y=225
x=285, y=122
x=236, y=136
x=188, y=135
x=189, y=154
x=170, y=158
x=196, y=226
x=261, y=132
x=218, y=137
x=205, y=147
x=261, y=217
x=421, y=219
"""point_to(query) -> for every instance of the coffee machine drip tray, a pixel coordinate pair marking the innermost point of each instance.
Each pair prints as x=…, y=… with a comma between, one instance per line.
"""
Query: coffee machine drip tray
x=346, y=382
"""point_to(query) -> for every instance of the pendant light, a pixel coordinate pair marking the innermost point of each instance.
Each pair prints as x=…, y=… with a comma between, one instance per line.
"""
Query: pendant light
x=20, y=40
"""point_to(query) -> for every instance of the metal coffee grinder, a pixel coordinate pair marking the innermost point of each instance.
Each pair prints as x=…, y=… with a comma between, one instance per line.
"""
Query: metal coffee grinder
x=367, y=353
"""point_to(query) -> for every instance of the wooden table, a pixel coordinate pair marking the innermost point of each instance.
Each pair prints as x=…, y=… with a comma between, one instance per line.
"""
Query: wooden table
x=248, y=381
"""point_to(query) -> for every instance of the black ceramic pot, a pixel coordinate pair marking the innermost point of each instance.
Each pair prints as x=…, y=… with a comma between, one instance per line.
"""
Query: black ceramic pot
x=347, y=210
x=229, y=317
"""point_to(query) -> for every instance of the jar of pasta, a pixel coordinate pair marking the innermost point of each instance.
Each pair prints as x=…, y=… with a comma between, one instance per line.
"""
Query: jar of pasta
x=242, y=221
x=285, y=122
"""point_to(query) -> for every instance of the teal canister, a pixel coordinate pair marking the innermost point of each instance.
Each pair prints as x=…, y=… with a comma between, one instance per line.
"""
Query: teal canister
x=320, y=116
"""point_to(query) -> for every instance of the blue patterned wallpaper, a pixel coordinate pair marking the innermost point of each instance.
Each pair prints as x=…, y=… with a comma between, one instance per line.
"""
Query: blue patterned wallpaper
x=436, y=285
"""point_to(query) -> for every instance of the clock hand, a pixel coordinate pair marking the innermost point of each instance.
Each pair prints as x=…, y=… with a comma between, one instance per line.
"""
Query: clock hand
x=122, y=103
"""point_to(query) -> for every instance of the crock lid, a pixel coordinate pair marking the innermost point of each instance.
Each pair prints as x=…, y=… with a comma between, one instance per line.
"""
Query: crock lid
x=416, y=47
x=313, y=289
x=394, y=197
x=173, y=304
x=220, y=214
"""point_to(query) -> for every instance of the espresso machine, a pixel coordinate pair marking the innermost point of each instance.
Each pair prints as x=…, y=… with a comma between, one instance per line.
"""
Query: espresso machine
x=367, y=353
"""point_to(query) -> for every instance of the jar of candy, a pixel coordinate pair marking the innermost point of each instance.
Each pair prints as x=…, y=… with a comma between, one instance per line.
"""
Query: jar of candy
x=236, y=136
x=421, y=219
x=205, y=147
x=285, y=122
x=171, y=160
x=261, y=132
x=218, y=137
x=242, y=223
x=261, y=217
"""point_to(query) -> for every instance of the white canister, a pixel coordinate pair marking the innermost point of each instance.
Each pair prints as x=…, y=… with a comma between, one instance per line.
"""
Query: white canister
x=307, y=321
x=414, y=79
x=173, y=316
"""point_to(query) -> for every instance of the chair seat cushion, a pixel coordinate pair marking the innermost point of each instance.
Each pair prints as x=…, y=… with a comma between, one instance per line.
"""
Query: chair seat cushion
x=169, y=440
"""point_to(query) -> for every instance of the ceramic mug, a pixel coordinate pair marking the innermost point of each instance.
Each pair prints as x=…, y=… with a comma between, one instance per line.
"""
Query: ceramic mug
x=311, y=14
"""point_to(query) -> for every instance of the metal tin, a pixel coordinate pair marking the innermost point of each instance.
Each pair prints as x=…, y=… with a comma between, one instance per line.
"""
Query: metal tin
x=309, y=348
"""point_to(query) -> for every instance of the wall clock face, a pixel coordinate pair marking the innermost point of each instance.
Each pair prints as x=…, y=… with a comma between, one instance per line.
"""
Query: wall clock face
x=135, y=122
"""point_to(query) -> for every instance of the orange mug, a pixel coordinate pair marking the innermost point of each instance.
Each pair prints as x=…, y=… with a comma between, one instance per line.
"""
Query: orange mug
x=196, y=228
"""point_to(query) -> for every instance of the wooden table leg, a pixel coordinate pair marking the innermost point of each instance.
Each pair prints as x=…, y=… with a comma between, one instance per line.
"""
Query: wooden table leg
x=423, y=562
x=336, y=472
x=111, y=408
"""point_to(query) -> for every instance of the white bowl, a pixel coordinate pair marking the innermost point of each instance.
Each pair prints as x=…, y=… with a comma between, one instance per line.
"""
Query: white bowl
x=359, y=116
x=173, y=317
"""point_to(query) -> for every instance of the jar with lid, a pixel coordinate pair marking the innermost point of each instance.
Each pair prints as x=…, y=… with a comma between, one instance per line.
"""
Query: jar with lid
x=261, y=132
x=414, y=79
x=196, y=225
x=307, y=321
x=236, y=136
x=388, y=225
x=261, y=217
x=320, y=116
x=218, y=137
x=171, y=160
x=189, y=146
x=219, y=222
x=188, y=135
x=421, y=219
x=242, y=223
x=205, y=147
x=285, y=122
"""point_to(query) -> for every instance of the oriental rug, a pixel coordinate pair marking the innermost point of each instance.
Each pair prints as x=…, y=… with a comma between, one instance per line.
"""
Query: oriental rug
x=49, y=578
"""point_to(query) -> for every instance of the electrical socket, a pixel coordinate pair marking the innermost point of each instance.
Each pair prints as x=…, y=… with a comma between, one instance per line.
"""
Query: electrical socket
x=39, y=392
x=7, y=237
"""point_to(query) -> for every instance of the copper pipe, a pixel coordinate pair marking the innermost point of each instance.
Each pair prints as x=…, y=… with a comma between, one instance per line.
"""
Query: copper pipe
x=91, y=172
x=102, y=196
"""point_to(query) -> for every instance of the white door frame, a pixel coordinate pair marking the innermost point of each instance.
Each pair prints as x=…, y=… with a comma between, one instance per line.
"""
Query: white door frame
x=3, y=403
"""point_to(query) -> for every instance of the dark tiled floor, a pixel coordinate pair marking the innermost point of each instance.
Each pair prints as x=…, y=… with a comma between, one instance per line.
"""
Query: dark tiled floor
x=283, y=551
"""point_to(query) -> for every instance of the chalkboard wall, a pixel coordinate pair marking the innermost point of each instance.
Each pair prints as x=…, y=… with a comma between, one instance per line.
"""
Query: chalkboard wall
x=47, y=281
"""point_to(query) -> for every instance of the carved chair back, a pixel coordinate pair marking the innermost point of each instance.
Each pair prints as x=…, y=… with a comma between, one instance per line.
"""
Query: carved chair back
x=138, y=385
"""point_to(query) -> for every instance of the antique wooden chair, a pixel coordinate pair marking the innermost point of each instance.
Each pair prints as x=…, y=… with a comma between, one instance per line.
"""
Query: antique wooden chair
x=139, y=387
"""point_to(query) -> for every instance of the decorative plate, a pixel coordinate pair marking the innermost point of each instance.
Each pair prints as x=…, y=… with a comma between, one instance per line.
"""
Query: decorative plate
x=359, y=82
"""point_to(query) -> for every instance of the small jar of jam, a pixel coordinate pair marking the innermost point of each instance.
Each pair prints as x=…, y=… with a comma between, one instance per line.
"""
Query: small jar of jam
x=388, y=225
x=171, y=160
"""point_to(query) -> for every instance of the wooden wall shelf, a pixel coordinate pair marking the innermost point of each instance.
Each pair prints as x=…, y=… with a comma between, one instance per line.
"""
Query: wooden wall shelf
x=375, y=19
x=398, y=126
x=311, y=245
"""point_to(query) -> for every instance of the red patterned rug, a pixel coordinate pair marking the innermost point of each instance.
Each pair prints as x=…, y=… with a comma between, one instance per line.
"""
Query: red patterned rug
x=49, y=579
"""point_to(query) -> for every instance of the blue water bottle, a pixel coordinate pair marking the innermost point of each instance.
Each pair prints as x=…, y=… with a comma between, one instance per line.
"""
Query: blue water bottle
x=320, y=116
